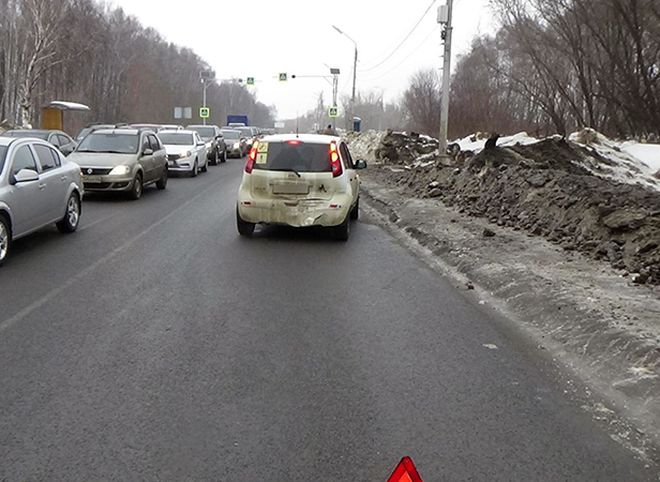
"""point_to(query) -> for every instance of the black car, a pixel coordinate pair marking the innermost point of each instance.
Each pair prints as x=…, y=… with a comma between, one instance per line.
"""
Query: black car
x=59, y=139
x=215, y=143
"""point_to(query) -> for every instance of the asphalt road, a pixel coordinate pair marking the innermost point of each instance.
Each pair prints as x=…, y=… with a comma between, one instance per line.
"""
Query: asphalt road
x=155, y=344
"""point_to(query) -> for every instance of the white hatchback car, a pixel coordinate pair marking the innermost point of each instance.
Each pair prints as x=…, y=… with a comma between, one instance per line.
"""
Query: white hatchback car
x=300, y=181
x=186, y=151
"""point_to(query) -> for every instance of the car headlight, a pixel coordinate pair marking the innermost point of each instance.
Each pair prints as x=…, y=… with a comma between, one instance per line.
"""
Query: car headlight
x=185, y=154
x=237, y=145
x=120, y=171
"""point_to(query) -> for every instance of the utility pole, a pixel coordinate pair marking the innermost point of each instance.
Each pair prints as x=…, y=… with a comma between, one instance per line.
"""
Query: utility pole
x=355, y=59
x=444, y=18
x=206, y=76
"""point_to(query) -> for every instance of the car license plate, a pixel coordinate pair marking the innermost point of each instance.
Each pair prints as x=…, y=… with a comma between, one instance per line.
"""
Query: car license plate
x=290, y=188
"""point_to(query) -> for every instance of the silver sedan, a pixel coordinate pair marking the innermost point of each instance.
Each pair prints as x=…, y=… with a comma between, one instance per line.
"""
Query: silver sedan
x=38, y=187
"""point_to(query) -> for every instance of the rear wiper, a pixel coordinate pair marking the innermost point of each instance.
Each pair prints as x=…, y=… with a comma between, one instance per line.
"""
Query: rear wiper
x=288, y=170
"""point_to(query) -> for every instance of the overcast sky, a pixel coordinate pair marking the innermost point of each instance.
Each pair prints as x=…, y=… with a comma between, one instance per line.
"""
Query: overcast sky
x=261, y=38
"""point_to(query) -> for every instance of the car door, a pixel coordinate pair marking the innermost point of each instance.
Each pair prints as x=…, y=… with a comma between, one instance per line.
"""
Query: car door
x=159, y=156
x=200, y=150
x=55, y=180
x=26, y=199
x=146, y=159
x=67, y=144
x=353, y=177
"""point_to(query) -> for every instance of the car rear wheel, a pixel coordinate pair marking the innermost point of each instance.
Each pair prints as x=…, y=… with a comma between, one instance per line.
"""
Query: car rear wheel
x=355, y=212
x=343, y=231
x=162, y=182
x=136, y=191
x=69, y=223
x=244, y=228
x=5, y=239
x=195, y=169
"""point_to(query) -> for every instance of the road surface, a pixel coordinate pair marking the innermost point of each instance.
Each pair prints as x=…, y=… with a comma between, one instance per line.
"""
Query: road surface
x=155, y=344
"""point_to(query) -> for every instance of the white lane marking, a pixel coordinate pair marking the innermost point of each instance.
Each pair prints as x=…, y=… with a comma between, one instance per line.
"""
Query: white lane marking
x=94, y=223
x=55, y=292
x=490, y=346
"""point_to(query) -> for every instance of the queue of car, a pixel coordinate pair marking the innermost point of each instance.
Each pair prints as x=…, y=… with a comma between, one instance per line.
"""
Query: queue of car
x=295, y=180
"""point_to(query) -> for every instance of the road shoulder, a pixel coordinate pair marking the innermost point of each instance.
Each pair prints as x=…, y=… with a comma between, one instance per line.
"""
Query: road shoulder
x=596, y=324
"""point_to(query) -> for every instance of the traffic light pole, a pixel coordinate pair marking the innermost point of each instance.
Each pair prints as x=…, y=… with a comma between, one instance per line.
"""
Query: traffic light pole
x=204, y=99
x=446, y=77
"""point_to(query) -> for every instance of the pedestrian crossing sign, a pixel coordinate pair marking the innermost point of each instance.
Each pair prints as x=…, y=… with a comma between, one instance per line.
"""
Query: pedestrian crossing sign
x=204, y=112
x=250, y=81
x=333, y=111
x=283, y=77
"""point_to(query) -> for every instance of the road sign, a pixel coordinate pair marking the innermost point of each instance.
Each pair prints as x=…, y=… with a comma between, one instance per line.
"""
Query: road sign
x=187, y=113
x=204, y=112
x=250, y=81
x=283, y=77
x=183, y=112
x=405, y=472
x=178, y=112
x=279, y=125
x=333, y=111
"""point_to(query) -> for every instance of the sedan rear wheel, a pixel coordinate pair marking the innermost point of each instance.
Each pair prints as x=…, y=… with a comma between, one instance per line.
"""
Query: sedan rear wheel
x=5, y=240
x=71, y=219
x=244, y=228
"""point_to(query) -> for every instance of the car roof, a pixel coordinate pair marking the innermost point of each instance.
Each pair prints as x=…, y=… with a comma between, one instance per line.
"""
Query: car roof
x=6, y=140
x=35, y=131
x=310, y=138
x=177, y=131
x=201, y=125
x=122, y=130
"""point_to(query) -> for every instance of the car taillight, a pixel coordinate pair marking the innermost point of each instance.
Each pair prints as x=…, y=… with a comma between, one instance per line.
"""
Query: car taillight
x=252, y=157
x=335, y=162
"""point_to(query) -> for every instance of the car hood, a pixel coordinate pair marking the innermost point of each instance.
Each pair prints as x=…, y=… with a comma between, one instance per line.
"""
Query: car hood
x=178, y=149
x=99, y=159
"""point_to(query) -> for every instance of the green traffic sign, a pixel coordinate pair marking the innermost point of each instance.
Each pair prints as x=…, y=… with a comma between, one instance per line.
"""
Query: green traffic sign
x=333, y=111
x=204, y=112
x=283, y=77
x=250, y=81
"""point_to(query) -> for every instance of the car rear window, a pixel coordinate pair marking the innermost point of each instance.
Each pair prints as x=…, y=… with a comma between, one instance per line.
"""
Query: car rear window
x=119, y=143
x=205, y=132
x=231, y=134
x=176, y=139
x=293, y=155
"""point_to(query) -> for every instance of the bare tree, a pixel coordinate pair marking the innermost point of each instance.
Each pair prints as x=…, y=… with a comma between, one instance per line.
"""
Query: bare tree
x=422, y=102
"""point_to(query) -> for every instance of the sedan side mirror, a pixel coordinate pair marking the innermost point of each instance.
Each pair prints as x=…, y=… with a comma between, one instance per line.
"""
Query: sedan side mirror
x=360, y=164
x=148, y=152
x=200, y=144
x=25, y=175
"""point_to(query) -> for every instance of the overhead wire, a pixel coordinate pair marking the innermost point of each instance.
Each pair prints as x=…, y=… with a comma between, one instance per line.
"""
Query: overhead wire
x=396, y=49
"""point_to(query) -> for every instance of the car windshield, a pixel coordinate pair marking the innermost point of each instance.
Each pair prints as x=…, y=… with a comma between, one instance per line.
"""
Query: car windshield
x=120, y=143
x=176, y=139
x=294, y=156
x=204, y=132
x=245, y=131
x=3, y=154
x=81, y=135
x=26, y=133
x=231, y=134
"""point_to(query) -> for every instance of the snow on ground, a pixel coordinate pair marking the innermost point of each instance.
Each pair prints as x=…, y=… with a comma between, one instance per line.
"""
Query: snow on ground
x=476, y=143
x=647, y=153
x=624, y=167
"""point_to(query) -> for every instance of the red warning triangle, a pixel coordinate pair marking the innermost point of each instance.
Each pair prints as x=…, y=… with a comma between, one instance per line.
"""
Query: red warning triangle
x=405, y=472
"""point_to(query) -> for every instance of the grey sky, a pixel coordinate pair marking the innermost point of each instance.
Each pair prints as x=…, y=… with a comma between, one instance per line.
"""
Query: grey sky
x=261, y=38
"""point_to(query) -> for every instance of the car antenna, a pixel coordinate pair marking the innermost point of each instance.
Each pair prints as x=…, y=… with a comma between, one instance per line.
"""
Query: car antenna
x=297, y=124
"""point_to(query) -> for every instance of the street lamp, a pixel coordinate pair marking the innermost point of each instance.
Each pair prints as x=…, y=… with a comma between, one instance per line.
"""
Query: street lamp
x=355, y=59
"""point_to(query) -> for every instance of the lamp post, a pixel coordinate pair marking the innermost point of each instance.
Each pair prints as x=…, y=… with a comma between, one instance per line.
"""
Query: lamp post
x=355, y=59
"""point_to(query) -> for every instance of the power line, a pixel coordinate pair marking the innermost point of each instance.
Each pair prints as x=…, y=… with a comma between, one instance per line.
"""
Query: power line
x=403, y=41
x=406, y=58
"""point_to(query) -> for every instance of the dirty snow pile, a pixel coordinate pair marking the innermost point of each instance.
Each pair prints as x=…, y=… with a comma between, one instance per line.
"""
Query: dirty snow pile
x=364, y=144
x=585, y=193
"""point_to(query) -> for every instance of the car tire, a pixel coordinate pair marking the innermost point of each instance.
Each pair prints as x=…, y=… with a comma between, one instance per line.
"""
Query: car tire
x=205, y=167
x=244, y=228
x=195, y=169
x=69, y=223
x=355, y=212
x=343, y=231
x=162, y=182
x=138, y=187
x=223, y=159
x=5, y=239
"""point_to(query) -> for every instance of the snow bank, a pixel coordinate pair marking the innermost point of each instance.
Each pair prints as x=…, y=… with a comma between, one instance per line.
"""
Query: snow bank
x=647, y=153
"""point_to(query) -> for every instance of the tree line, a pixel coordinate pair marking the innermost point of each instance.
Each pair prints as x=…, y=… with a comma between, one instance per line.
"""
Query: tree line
x=88, y=52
